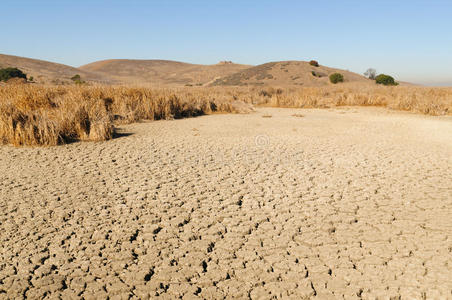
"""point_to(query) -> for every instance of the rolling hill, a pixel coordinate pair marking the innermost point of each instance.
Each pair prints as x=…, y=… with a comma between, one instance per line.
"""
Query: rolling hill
x=174, y=73
x=287, y=73
x=49, y=72
x=162, y=72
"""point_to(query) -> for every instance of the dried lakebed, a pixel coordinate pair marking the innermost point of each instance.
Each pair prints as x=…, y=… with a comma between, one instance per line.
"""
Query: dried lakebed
x=343, y=203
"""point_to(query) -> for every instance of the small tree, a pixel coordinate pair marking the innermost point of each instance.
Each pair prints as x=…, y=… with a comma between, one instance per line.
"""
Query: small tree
x=8, y=73
x=314, y=63
x=336, y=78
x=77, y=79
x=30, y=79
x=371, y=73
x=385, y=80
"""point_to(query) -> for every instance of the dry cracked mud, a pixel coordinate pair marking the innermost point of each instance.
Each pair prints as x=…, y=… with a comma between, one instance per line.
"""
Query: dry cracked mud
x=343, y=203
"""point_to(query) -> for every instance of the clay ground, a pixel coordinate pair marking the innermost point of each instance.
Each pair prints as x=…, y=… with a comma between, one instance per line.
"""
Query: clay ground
x=343, y=203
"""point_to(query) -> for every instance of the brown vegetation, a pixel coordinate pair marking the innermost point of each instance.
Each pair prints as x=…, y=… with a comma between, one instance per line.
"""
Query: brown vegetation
x=38, y=115
x=48, y=115
x=314, y=63
x=424, y=100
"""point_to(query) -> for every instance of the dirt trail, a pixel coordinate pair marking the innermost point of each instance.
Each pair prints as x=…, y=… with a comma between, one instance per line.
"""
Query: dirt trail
x=351, y=202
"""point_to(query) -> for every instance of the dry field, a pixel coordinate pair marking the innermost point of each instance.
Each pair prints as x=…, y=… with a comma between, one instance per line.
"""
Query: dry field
x=335, y=203
x=46, y=115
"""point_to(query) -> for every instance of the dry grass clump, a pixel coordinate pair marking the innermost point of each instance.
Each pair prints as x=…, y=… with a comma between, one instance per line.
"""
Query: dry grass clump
x=52, y=115
x=40, y=115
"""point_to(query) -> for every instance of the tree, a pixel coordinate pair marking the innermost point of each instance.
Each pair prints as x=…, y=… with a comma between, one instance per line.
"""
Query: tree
x=77, y=79
x=385, y=80
x=371, y=73
x=336, y=77
x=8, y=73
x=314, y=63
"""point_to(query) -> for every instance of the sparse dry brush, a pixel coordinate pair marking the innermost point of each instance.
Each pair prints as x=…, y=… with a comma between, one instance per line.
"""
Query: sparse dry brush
x=52, y=115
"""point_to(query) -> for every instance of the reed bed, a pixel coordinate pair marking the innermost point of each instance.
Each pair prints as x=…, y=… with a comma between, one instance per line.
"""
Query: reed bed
x=46, y=115
x=424, y=100
x=52, y=115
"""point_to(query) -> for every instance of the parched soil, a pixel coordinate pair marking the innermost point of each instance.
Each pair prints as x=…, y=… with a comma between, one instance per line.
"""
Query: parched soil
x=329, y=204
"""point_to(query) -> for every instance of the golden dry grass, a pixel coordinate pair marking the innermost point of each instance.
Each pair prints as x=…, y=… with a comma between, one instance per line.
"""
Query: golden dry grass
x=424, y=100
x=40, y=115
x=51, y=115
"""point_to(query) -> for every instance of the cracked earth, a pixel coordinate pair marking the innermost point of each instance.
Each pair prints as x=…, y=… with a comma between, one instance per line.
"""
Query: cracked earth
x=343, y=203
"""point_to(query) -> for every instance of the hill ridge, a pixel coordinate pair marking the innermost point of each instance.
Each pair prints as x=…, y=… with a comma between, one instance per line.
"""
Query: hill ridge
x=161, y=72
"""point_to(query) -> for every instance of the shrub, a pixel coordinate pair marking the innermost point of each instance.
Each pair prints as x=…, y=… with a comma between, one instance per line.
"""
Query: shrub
x=77, y=79
x=314, y=63
x=8, y=73
x=318, y=74
x=385, y=80
x=336, y=77
x=31, y=79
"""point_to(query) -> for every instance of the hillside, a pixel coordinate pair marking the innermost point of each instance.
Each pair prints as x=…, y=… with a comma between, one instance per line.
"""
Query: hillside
x=49, y=72
x=287, y=73
x=174, y=73
x=162, y=72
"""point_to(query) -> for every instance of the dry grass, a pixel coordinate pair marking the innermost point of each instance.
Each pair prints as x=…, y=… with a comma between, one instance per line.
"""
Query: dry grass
x=424, y=100
x=51, y=115
x=39, y=115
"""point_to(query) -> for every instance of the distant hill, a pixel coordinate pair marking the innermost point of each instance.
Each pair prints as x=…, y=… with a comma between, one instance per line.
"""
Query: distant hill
x=174, y=73
x=287, y=73
x=162, y=72
x=49, y=72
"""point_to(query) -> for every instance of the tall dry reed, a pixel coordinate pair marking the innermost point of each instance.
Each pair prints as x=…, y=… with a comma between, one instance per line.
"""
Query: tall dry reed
x=52, y=115
x=424, y=100
x=43, y=115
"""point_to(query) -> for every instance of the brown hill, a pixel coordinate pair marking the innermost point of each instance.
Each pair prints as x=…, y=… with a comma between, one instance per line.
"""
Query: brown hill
x=287, y=73
x=174, y=73
x=162, y=72
x=49, y=72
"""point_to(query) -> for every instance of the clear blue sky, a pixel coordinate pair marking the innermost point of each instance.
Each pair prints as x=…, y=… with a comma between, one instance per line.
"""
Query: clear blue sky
x=411, y=40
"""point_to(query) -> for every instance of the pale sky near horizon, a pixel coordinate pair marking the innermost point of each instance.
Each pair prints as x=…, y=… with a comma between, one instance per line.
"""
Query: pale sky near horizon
x=410, y=40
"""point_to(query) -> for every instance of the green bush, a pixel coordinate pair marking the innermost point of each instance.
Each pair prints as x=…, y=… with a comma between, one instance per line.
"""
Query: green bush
x=336, y=77
x=385, y=80
x=77, y=79
x=314, y=63
x=8, y=73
